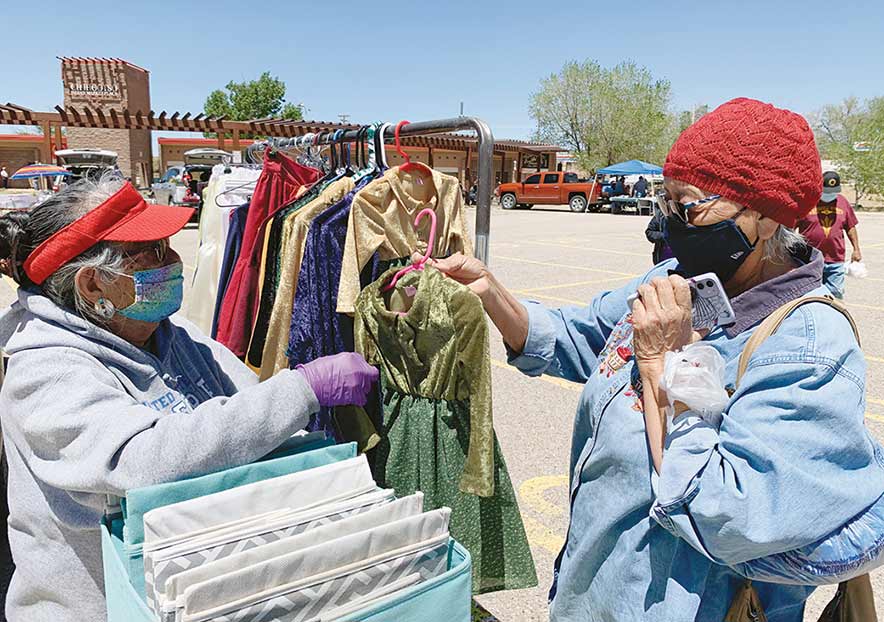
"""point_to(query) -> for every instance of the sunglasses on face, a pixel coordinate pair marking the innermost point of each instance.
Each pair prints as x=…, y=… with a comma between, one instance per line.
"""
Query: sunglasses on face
x=671, y=207
x=150, y=253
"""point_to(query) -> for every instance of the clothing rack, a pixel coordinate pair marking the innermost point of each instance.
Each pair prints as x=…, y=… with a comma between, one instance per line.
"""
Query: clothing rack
x=419, y=128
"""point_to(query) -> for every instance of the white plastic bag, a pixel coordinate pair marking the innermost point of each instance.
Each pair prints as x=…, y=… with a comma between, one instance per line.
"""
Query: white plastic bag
x=857, y=269
x=695, y=377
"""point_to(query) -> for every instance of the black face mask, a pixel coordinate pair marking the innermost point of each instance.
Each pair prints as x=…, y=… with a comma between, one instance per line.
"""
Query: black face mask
x=720, y=248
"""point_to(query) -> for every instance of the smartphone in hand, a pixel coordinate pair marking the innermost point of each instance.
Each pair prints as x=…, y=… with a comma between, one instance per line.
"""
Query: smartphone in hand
x=710, y=306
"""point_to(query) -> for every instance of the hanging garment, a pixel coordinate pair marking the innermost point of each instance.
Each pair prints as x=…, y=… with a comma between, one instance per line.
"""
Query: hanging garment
x=212, y=231
x=270, y=269
x=316, y=329
x=232, y=243
x=281, y=180
x=437, y=427
x=382, y=221
x=294, y=235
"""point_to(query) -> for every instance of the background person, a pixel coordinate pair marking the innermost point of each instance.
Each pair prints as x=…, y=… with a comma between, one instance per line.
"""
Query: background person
x=824, y=228
x=660, y=511
x=104, y=392
x=656, y=234
x=4, y=177
x=640, y=189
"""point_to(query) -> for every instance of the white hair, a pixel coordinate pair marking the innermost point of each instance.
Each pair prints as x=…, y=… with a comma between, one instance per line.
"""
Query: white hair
x=59, y=211
x=782, y=244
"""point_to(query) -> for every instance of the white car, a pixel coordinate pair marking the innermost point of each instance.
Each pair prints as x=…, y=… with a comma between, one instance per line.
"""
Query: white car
x=86, y=163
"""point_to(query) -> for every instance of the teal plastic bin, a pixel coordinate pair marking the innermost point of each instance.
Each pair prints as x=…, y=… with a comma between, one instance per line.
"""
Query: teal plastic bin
x=140, y=501
x=443, y=599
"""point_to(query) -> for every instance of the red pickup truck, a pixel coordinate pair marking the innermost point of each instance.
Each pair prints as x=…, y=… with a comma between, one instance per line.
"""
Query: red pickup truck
x=550, y=189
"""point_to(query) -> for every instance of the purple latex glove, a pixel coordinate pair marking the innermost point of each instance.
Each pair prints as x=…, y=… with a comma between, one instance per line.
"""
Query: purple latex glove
x=340, y=380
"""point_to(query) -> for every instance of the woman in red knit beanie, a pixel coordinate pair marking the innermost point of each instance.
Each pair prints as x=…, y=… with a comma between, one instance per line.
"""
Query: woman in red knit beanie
x=671, y=505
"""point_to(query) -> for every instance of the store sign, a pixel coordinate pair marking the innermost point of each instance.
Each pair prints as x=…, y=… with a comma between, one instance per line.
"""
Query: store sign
x=81, y=88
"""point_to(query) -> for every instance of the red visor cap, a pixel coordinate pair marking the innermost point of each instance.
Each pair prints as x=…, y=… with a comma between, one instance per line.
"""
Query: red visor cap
x=124, y=217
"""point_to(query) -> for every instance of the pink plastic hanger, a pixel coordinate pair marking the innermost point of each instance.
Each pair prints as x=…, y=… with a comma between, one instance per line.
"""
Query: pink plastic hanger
x=419, y=264
x=408, y=165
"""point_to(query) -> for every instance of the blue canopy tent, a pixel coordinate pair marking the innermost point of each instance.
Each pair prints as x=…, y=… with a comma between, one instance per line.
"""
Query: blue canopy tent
x=631, y=167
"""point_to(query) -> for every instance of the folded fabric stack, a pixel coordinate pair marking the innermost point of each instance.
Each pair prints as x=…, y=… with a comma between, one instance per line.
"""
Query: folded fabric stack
x=313, y=545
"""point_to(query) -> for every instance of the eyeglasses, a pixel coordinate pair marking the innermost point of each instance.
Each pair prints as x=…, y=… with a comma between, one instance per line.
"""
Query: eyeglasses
x=671, y=207
x=153, y=252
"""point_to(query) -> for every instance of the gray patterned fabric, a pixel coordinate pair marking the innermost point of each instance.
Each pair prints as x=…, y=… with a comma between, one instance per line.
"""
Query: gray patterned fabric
x=177, y=585
x=319, y=564
x=275, y=530
x=311, y=488
x=308, y=602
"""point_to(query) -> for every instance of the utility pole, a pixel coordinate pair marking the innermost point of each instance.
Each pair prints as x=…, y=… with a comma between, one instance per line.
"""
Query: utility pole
x=461, y=108
x=345, y=118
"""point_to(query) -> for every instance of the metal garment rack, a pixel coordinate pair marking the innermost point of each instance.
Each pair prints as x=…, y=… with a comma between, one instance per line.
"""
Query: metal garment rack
x=421, y=128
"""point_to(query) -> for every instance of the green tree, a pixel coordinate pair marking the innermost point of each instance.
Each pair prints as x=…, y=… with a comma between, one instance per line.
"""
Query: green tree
x=254, y=99
x=851, y=134
x=605, y=115
x=686, y=118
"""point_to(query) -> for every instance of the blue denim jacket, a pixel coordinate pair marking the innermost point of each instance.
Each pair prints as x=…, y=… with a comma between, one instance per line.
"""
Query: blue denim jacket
x=790, y=463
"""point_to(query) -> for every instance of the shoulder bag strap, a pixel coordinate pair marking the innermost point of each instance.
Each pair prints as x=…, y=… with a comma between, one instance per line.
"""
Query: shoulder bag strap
x=772, y=322
x=854, y=601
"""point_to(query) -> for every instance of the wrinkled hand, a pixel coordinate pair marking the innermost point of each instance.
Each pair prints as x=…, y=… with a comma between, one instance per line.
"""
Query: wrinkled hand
x=468, y=271
x=661, y=319
x=340, y=380
x=857, y=256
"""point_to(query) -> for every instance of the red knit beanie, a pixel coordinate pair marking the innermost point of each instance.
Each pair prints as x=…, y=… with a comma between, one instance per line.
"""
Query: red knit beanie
x=761, y=157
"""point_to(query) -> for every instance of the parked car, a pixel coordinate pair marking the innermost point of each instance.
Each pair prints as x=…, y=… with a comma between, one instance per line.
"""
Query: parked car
x=550, y=188
x=86, y=163
x=184, y=184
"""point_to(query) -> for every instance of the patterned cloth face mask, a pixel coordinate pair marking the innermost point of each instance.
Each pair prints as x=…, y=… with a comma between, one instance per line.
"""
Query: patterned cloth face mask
x=158, y=293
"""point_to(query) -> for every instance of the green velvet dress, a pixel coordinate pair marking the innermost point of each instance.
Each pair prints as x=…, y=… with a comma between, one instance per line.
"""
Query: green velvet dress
x=437, y=434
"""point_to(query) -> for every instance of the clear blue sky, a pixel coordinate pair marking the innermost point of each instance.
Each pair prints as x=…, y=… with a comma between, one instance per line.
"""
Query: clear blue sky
x=418, y=59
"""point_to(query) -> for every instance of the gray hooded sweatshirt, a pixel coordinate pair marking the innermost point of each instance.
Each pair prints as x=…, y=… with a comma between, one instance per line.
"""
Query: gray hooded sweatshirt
x=85, y=415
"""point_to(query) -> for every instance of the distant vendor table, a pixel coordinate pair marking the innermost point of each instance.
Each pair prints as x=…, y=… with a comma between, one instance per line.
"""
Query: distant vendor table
x=643, y=206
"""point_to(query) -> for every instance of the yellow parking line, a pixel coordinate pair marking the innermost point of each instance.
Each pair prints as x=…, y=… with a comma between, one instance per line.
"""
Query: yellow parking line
x=532, y=490
x=877, y=418
x=9, y=282
x=607, y=251
x=861, y=306
x=539, y=535
x=561, y=265
x=567, y=301
x=872, y=400
x=875, y=359
x=559, y=382
x=577, y=284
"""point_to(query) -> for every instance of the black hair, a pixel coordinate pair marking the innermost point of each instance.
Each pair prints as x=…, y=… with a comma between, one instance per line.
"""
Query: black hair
x=14, y=243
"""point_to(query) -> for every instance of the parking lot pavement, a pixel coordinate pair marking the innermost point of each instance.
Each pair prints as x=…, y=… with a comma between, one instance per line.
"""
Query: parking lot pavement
x=560, y=258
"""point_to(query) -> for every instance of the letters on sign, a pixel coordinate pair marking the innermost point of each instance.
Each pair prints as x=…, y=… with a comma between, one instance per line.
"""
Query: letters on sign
x=81, y=88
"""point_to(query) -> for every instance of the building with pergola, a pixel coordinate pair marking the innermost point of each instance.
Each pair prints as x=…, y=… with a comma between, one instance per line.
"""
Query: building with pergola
x=107, y=105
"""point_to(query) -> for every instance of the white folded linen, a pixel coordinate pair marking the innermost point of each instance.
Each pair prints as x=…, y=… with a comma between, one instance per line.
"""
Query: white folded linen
x=316, y=533
x=301, y=490
x=302, y=585
x=192, y=555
